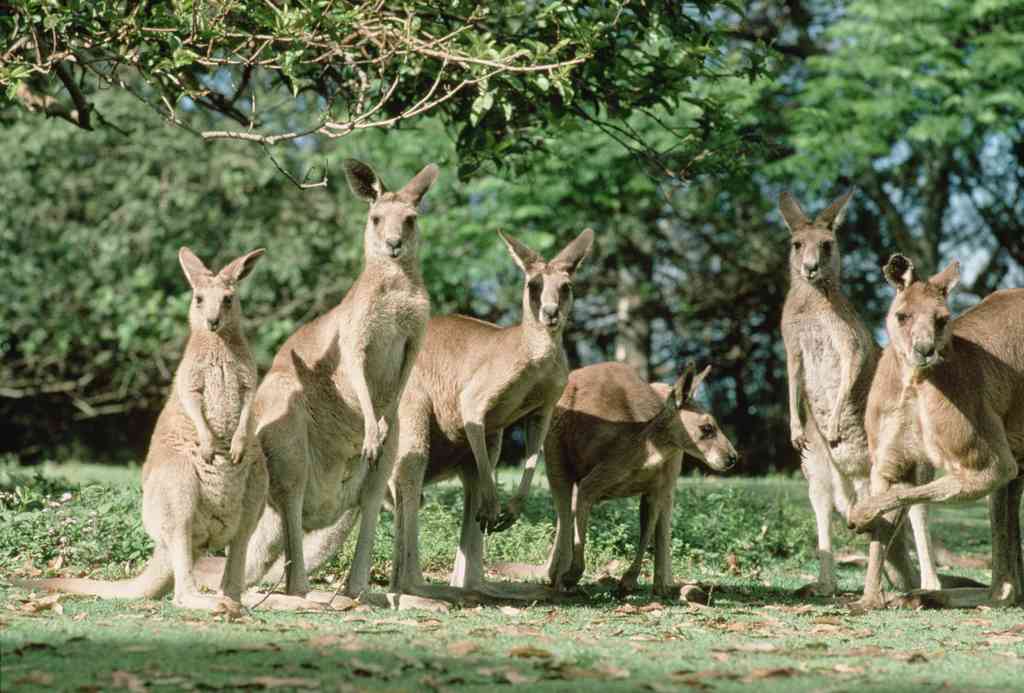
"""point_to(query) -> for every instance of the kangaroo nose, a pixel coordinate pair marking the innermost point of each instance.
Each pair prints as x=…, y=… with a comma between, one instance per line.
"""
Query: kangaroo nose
x=214, y=324
x=925, y=350
x=394, y=243
x=549, y=311
x=810, y=267
x=731, y=460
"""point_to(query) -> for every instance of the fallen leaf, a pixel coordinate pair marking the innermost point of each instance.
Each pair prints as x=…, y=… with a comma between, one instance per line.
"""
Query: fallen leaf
x=50, y=602
x=35, y=678
x=80, y=616
x=251, y=647
x=270, y=682
x=361, y=668
x=462, y=648
x=33, y=647
x=732, y=564
x=847, y=669
x=529, y=652
x=510, y=610
x=126, y=679
x=769, y=673
x=515, y=677
x=910, y=657
x=749, y=647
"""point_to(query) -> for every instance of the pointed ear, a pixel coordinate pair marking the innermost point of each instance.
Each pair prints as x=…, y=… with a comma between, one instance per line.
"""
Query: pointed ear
x=363, y=182
x=899, y=272
x=681, y=391
x=948, y=278
x=698, y=380
x=192, y=266
x=239, y=268
x=524, y=256
x=832, y=217
x=572, y=255
x=415, y=189
x=791, y=213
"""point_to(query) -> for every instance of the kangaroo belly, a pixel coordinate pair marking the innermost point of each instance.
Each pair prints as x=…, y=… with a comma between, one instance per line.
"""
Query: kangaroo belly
x=221, y=490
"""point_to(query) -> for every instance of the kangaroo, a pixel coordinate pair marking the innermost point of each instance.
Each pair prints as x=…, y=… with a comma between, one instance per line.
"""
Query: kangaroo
x=326, y=410
x=949, y=395
x=204, y=481
x=472, y=380
x=615, y=436
x=831, y=358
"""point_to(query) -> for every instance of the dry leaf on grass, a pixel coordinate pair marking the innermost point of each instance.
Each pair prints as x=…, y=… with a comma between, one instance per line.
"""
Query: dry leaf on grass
x=910, y=657
x=749, y=647
x=272, y=682
x=251, y=647
x=847, y=669
x=769, y=673
x=128, y=680
x=461, y=648
x=35, y=678
x=33, y=647
x=510, y=610
x=361, y=668
x=604, y=672
x=529, y=652
x=50, y=602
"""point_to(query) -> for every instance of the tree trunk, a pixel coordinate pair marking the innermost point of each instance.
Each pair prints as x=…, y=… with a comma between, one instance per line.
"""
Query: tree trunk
x=633, y=333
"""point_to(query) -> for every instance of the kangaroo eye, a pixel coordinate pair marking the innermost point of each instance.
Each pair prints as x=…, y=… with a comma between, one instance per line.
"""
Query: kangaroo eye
x=199, y=300
x=707, y=431
x=375, y=219
x=227, y=300
x=797, y=245
x=826, y=247
x=902, y=318
x=941, y=321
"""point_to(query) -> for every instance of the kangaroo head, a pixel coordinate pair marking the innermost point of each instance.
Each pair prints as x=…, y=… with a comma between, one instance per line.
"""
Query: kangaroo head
x=699, y=433
x=918, y=322
x=547, y=293
x=814, y=255
x=391, y=222
x=214, y=304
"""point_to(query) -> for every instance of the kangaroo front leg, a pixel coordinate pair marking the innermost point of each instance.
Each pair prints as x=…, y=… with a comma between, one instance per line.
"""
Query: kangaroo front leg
x=374, y=431
x=537, y=427
x=473, y=416
x=468, y=570
x=795, y=373
x=923, y=542
x=191, y=398
x=649, y=514
x=853, y=359
x=242, y=433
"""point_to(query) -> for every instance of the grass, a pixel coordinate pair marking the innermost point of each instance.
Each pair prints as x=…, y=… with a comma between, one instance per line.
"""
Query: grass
x=750, y=540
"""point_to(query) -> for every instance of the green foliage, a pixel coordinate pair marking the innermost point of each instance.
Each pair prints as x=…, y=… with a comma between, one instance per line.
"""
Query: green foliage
x=499, y=73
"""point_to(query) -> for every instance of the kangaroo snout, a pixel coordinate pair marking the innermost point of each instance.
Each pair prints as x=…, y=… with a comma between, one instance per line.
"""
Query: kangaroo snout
x=213, y=324
x=549, y=314
x=394, y=246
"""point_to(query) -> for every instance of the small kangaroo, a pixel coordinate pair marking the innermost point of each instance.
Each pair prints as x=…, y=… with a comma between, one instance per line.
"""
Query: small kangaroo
x=204, y=481
x=949, y=395
x=615, y=436
x=325, y=412
x=472, y=380
x=831, y=358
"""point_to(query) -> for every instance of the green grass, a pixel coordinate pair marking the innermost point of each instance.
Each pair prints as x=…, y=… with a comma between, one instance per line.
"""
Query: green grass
x=755, y=633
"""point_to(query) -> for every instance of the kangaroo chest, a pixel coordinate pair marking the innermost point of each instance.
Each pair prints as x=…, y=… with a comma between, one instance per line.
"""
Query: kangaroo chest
x=821, y=340
x=905, y=437
x=532, y=389
x=221, y=491
x=223, y=378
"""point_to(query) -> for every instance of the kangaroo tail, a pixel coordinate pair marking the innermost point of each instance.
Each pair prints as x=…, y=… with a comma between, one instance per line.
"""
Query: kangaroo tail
x=155, y=580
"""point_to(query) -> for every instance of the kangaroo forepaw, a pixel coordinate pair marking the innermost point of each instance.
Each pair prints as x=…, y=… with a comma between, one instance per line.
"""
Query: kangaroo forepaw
x=863, y=516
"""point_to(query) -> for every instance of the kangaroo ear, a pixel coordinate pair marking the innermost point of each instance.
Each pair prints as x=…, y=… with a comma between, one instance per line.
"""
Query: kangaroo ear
x=698, y=380
x=948, y=278
x=791, y=213
x=832, y=217
x=415, y=189
x=194, y=269
x=573, y=254
x=524, y=256
x=899, y=272
x=683, y=389
x=363, y=182
x=240, y=267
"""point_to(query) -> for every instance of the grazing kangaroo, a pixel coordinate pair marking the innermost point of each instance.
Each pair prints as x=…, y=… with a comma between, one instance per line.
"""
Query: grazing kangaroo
x=949, y=395
x=472, y=380
x=204, y=481
x=326, y=410
x=615, y=436
x=831, y=358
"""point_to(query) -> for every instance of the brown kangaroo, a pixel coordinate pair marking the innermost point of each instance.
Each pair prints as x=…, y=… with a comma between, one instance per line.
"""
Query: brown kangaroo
x=831, y=358
x=949, y=395
x=204, y=481
x=615, y=436
x=326, y=410
x=472, y=380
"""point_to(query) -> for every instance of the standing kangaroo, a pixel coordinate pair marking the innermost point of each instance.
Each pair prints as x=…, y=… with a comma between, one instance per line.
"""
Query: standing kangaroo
x=615, y=436
x=204, y=481
x=948, y=394
x=831, y=358
x=472, y=380
x=326, y=410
